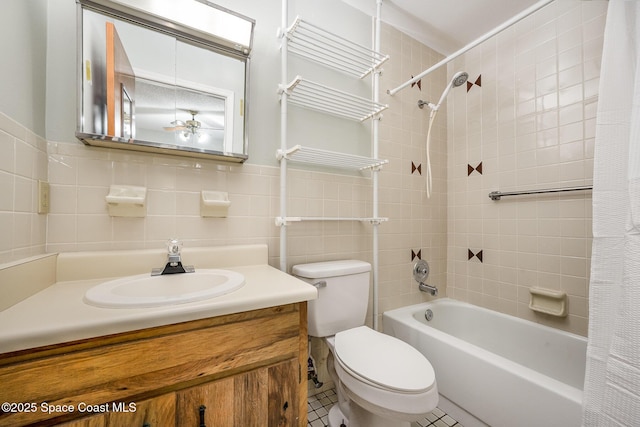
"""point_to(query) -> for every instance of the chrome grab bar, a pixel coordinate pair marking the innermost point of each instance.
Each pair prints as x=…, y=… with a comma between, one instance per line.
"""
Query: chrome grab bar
x=496, y=195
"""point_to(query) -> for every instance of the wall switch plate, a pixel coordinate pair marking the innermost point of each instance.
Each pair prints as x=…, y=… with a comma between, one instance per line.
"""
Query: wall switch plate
x=43, y=197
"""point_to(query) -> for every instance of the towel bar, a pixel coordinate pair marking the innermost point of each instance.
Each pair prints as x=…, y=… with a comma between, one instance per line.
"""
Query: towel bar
x=496, y=195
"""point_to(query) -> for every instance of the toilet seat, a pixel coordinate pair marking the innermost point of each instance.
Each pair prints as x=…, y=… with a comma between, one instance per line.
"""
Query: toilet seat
x=383, y=361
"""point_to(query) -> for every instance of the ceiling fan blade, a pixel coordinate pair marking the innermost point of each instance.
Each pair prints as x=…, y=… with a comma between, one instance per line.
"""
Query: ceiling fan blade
x=174, y=128
x=177, y=125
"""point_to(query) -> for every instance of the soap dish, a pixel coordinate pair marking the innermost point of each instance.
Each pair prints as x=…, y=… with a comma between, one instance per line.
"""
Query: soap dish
x=548, y=301
x=214, y=204
x=127, y=201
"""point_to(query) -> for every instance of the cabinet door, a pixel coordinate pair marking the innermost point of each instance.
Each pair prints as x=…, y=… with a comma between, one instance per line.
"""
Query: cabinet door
x=284, y=395
x=264, y=397
x=213, y=402
x=251, y=398
x=157, y=412
x=90, y=421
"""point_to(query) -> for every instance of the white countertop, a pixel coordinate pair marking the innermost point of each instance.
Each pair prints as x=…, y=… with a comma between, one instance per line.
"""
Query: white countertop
x=58, y=314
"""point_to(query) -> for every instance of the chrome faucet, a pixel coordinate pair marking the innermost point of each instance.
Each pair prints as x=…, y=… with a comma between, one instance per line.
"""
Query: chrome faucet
x=173, y=255
x=428, y=288
x=174, y=260
x=420, y=274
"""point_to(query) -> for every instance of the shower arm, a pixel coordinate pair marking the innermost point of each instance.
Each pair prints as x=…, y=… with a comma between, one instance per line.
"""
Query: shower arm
x=458, y=79
x=422, y=103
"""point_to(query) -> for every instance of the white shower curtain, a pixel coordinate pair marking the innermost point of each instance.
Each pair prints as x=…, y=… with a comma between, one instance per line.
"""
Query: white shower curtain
x=612, y=383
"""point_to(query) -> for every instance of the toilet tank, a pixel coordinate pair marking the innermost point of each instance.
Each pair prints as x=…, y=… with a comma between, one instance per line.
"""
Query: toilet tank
x=342, y=303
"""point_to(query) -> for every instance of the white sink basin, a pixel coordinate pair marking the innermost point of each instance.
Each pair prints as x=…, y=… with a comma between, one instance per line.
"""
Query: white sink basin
x=144, y=290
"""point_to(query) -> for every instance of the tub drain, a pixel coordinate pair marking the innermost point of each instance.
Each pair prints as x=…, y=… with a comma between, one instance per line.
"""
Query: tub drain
x=428, y=314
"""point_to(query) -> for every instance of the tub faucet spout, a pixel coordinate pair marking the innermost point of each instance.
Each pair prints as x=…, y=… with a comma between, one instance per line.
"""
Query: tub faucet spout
x=174, y=261
x=420, y=274
x=428, y=288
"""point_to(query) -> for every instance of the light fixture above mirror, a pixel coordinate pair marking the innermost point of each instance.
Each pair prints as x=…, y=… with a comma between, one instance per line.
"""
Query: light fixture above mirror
x=160, y=76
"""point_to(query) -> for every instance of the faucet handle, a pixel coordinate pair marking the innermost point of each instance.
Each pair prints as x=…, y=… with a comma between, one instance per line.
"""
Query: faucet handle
x=174, y=246
x=174, y=260
x=421, y=271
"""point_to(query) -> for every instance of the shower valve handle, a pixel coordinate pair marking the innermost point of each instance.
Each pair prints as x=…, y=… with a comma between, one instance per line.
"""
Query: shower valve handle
x=420, y=271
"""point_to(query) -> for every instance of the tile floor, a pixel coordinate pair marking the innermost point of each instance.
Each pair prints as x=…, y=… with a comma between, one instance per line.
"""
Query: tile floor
x=318, y=409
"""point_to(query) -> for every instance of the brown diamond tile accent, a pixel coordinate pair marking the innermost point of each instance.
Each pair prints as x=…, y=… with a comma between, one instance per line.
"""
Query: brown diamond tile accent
x=478, y=83
x=478, y=168
x=470, y=255
x=418, y=83
x=416, y=168
x=415, y=255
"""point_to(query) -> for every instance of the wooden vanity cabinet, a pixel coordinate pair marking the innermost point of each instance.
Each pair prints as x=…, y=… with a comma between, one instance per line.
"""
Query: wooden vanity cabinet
x=262, y=397
x=155, y=412
x=245, y=369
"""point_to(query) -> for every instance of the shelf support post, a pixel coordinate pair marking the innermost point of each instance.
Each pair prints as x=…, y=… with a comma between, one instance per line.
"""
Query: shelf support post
x=283, y=137
x=375, y=172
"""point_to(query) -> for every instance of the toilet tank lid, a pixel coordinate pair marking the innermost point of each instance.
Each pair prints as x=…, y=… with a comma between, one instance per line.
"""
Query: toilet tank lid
x=319, y=270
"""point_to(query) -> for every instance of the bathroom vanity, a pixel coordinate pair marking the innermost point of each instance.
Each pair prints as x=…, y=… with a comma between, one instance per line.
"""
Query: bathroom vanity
x=236, y=359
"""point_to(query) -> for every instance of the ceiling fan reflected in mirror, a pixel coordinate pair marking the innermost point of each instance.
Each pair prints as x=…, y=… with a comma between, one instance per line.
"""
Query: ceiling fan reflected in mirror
x=189, y=127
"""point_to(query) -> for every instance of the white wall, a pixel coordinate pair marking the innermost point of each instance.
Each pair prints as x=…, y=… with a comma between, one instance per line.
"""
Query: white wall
x=62, y=71
x=22, y=75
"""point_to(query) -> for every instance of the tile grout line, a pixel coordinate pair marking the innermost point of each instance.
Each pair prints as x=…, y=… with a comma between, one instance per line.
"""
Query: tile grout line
x=318, y=412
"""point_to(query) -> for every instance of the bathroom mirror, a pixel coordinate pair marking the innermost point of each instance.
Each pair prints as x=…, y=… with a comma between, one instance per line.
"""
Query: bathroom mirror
x=164, y=76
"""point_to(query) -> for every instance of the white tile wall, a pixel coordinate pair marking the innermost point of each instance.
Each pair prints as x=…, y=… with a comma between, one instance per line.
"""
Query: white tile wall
x=416, y=223
x=22, y=163
x=80, y=178
x=532, y=125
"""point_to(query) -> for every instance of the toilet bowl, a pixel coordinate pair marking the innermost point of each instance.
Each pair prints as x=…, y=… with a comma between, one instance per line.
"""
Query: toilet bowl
x=390, y=382
x=380, y=380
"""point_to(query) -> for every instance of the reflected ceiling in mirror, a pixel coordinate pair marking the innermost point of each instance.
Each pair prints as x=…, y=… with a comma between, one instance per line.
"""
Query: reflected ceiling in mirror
x=149, y=87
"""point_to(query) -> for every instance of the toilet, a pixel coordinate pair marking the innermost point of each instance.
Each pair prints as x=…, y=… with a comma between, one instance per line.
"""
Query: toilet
x=380, y=380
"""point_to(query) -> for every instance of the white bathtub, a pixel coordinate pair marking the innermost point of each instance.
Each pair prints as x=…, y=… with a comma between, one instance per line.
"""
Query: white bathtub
x=493, y=368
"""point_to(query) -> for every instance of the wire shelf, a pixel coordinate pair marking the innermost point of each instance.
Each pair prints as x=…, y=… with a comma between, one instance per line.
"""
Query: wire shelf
x=315, y=96
x=333, y=159
x=333, y=51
